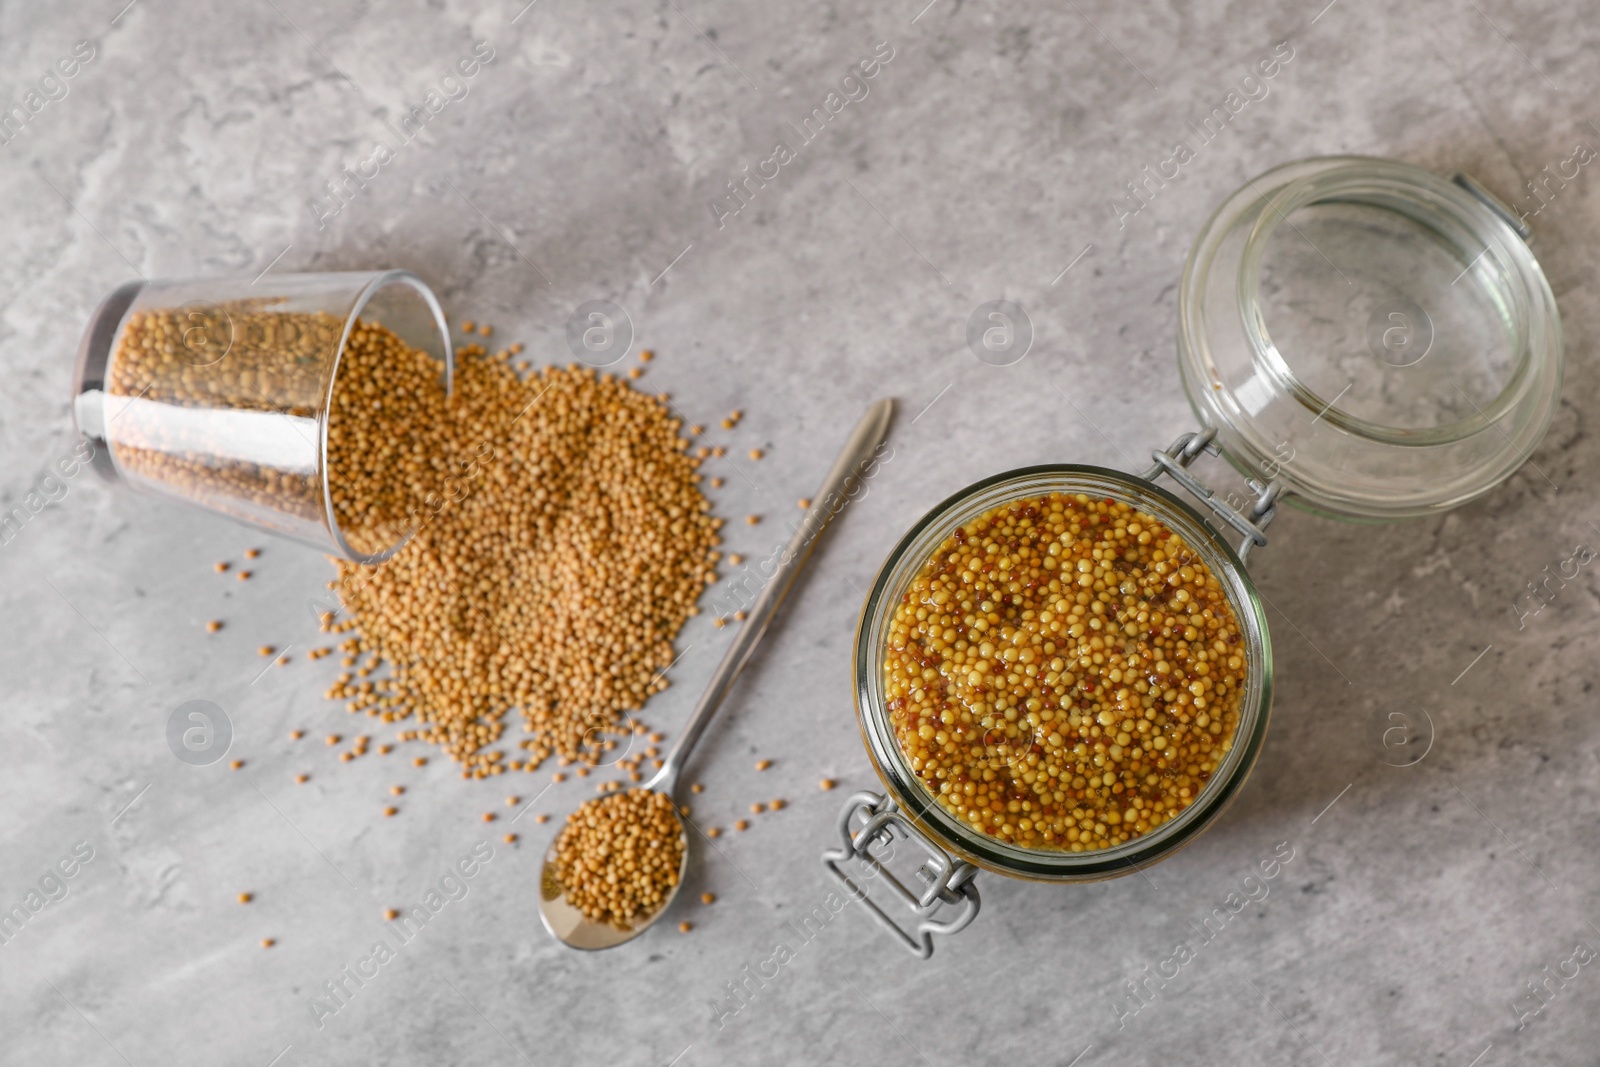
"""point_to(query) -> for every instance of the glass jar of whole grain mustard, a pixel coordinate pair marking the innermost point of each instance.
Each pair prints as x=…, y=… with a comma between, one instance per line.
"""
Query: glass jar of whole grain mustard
x=1064, y=673
x=275, y=401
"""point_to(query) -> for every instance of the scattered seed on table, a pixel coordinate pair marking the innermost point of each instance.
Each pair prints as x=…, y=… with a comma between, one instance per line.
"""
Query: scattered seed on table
x=634, y=372
x=697, y=788
x=332, y=739
x=751, y=520
x=510, y=839
x=716, y=483
x=741, y=825
x=220, y=566
x=558, y=777
x=738, y=616
x=213, y=626
x=512, y=802
x=488, y=816
x=485, y=330
x=245, y=898
x=419, y=761
x=757, y=808
x=756, y=453
x=696, y=431
x=236, y=764
x=283, y=661
x=727, y=424
x=391, y=811
x=467, y=325
x=295, y=735
x=776, y=805
x=719, y=451
x=582, y=772
x=396, y=790
x=390, y=914
x=685, y=926
x=708, y=898
x=251, y=553
x=683, y=809
x=265, y=650
x=826, y=784
x=804, y=503
x=384, y=750
x=268, y=942
x=763, y=764
x=516, y=348
x=346, y=757
x=244, y=576
x=735, y=559
x=713, y=831
x=301, y=779
x=645, y=356
x=719, y=622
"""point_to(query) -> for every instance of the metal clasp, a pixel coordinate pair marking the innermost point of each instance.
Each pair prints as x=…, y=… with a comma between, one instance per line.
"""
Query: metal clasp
x=1175, y=460
x=947, y=882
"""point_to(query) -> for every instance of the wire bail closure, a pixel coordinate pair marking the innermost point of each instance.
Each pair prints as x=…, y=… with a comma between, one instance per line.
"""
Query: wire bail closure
x=1174, y=461
x=947, y=882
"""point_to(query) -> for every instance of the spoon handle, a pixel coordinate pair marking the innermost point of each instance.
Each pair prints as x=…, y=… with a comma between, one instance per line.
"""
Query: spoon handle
x=864, y=441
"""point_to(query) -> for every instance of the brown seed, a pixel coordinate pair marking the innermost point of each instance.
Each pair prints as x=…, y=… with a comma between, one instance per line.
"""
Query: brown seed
x=391, y=811
x=735, y=559
x=301, y=779
x=245, y=898
x=251, y=553
x=741, y=825
x=716, y=483
x=738, y=616
x=467, y=325
x=485, y=330
x=510, y=839
x=419, y=761
x=220, y=566
x=346, y=757
x=488, y=816
x=558, y=777
x=826, y=784
x=646, y=356
x=697, y=788
x=685, y=926
x=516, y=348
x=633, y=831
x=236, y=764
x=244, y=576
x=397, y=790
x=756, y=453
x=541, y=818
x=384, y=750
x=283, y=661
x=214, y=625
x=295, y=735
x=757, y=808
x=751, y=520
x=696, y=431
x=268, y=942
x=332, y=739
x=582, y=772
x=763, y=764
x=777, y=805
x=512, y=802
x=390, y=914
x=634, y=372
x=727, y=424
x=713, y=831
x=683, y=809
x=708, y=898
x=265, y=650
x=804, y=503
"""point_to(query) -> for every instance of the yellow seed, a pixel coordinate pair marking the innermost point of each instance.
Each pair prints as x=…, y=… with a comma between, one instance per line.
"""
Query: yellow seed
x=245, y=898
x=708, y=898
x=826, y=784
x=214, y=625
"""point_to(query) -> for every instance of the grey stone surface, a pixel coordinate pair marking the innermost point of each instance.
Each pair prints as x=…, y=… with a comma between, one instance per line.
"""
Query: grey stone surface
x=1420, y=902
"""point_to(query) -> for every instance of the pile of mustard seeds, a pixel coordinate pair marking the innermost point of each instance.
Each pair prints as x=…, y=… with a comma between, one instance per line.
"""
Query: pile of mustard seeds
x=619, y=856
x=562, y=544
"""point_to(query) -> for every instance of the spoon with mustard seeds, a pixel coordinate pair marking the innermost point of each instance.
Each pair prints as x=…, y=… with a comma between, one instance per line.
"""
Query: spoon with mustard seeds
x=621, y=857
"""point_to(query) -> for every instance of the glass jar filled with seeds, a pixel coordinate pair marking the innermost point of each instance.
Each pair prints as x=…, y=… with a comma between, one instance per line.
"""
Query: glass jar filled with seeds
x=277, y=401
x=1063, y=673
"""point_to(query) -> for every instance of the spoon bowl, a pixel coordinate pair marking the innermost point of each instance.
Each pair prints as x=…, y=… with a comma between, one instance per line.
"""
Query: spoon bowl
x=573, y=928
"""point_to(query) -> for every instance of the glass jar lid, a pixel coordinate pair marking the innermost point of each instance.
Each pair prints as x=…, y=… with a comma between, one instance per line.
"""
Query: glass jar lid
x=1378, y=338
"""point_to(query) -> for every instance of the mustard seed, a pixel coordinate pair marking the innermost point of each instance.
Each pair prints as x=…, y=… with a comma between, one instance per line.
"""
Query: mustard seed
x=776, y=805
x=268, y=942
x=1112, y=698
x=220, y=566
x=763, y=764
x=213, y=626
x=697, y=788
x=751, y=520
x=265, y=650
x=245, y=898
x=804, y=503
x=713, y=831
x=510, y=839
x=390, y=811
x=488, y=816
x=645, y=356
x=757, y=808
x=396, y=790
x=826, y=784
x=741, y=825
x=390, y=914
x=236, y=764
x=251, y=553
x=708, y=898
x=301, y=779
x=244, y=576
x=541, y=818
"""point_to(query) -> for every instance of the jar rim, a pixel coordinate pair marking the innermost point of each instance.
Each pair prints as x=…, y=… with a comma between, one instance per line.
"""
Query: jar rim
x=907, y=559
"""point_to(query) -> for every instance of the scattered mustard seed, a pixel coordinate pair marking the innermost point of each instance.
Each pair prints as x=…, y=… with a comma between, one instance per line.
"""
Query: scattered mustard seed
x=251, y=553
x=763, y=764
x=244, y=576
x=390, y=914
x=708, y=898
x=756, y=453
x=741, y=825
x=213, y=626
x=245, y=898
x=826, y=784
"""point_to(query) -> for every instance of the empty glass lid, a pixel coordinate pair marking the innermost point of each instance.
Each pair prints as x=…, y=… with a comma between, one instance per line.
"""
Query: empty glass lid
x=1379, y=338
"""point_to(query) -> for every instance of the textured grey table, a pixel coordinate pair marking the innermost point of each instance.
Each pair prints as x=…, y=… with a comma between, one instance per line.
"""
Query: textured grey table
x=1422, y=904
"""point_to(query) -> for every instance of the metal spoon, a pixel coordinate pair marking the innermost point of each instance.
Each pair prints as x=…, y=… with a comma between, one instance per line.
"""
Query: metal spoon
x=565, y=922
